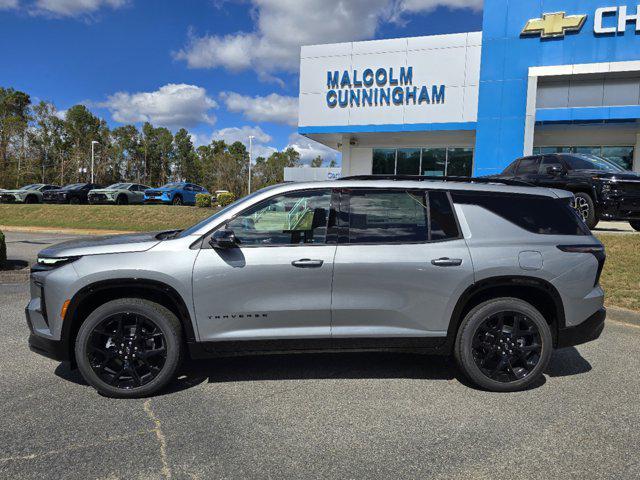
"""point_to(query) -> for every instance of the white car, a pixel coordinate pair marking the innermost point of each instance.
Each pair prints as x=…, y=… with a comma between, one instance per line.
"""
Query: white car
x=27, y=194
x=119, y=194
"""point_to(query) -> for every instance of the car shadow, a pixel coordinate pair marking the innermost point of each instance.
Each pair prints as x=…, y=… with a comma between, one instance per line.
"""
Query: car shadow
x=324, y=366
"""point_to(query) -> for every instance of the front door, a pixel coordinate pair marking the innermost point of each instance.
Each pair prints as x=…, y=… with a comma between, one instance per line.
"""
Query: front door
x=276, y=284
x=401, y=264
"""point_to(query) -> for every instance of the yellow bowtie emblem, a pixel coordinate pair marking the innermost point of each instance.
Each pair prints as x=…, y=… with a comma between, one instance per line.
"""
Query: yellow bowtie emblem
x=554, y=25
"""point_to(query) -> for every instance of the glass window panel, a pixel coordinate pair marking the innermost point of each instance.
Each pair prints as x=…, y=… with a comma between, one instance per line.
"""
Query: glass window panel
x=291, y=219
x=528, y=165
x=384, y=161
x=443, y=221
x=408, y=161
x=434, y=161
x=391, y=216
x=597, y=151
x=622, y=156
x=459, y=162
x=547, y=150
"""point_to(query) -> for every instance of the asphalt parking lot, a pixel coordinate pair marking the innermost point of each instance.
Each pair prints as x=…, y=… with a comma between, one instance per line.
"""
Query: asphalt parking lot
x=320, y=416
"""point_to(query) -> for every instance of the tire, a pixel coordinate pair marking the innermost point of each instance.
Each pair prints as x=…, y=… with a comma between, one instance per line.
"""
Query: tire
x=635, y=224
x=177, y=200
x=586, y=209
x=74, y=201
x=122, y=200
x=480, y=350
x=31, y=199
x=155, y=336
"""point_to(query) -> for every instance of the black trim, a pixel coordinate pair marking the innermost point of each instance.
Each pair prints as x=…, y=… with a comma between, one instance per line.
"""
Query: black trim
x=54, y=349
x=426, y=178
x=585, y=332
x=430, y=345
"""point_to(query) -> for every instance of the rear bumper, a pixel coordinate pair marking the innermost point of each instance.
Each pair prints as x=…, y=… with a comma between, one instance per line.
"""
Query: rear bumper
x=585, y=332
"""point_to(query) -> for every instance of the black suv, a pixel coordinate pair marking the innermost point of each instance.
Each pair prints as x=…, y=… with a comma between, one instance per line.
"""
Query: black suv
x=74, y=193
x=603, y=190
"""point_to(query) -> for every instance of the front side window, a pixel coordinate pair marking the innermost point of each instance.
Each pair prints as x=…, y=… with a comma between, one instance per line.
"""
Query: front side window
x=291, y=219
x=528, y=166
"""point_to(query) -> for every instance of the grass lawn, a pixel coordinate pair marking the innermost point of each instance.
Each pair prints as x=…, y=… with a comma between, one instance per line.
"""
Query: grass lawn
x=621, y=275
x=107, y=217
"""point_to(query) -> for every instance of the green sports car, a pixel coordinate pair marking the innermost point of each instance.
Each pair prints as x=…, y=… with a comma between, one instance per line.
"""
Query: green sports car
x=119, y=194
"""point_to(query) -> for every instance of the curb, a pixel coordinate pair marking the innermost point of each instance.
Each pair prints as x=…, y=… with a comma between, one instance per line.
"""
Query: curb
x=15, y=276
x=63, y=231
x=624, y=315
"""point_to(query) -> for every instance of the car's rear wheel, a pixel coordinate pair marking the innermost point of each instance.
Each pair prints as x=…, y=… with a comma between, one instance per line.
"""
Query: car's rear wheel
x=586, y=209
x=129, y=348
x=74, y=201
x=177, y=200
x=122, y=200
x=635, y=224
x=503, y=345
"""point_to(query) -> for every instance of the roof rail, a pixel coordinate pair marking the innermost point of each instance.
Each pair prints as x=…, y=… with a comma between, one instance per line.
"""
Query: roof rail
x=426, y=178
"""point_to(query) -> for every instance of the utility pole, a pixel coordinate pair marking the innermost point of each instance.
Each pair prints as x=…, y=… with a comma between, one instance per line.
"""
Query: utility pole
x=93, y=142
x=251, y=137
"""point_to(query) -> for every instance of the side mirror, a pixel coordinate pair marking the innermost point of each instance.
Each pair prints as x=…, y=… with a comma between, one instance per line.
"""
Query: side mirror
x=222, y=239
x=555, y=170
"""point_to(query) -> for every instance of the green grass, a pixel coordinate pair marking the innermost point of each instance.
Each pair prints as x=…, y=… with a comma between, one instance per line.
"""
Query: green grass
x=621, y=275
x=102, y=217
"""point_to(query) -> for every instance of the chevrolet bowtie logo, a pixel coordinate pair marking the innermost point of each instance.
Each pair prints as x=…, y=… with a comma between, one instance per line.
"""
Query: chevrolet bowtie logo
x=553, y=25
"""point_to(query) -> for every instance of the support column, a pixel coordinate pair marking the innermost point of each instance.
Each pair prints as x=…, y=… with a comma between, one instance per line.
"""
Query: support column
x=530, y=119
x=636, y=154
x=346, y=155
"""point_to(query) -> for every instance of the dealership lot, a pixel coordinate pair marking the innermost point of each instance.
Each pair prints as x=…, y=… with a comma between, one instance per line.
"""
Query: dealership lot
x=319, y=416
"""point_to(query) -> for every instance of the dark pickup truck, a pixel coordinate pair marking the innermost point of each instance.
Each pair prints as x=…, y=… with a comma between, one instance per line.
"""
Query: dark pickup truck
x=602, y=189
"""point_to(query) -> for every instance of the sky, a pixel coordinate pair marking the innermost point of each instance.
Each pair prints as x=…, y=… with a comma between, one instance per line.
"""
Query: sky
x=223, y=69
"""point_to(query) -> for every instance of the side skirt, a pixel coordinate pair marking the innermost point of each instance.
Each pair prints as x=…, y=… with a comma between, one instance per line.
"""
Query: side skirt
x=424, y=345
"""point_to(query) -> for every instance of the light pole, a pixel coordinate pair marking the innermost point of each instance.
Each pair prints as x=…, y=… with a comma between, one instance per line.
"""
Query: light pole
x=251, y=137
x=93, y=142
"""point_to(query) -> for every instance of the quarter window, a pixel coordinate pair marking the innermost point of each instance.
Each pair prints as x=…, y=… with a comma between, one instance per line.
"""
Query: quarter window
x=443, y=221
x=290, y=219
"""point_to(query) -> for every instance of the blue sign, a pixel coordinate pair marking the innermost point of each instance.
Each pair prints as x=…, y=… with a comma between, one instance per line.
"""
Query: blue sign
x=379, y=87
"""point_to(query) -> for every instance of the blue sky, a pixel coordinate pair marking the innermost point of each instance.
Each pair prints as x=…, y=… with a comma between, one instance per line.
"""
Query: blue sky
x=220, y=68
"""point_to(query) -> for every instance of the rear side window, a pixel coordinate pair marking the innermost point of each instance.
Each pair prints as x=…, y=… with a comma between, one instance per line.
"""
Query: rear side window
x=528, y=165
x=536, y=214
x=511, y=169
x=400, y=216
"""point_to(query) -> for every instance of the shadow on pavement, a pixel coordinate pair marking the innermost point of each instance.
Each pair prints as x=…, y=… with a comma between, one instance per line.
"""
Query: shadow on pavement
x=319, y=366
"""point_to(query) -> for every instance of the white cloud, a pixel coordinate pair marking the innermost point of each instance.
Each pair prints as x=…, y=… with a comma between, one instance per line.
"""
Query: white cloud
x=74, y=8
x=310, y=149
x=61, y=114
x=272, y=108
x=282, y=26
x=172, y=105
x=8, y=4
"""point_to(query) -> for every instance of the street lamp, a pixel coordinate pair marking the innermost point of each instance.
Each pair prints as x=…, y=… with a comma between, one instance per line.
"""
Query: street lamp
x=93, y=142
x=251, y=137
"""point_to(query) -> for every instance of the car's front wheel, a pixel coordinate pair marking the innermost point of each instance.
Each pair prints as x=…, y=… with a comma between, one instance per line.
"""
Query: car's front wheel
x=129, y=348
x=635, y=224
x=503, y=345
x=177, y=200
x=122, y=200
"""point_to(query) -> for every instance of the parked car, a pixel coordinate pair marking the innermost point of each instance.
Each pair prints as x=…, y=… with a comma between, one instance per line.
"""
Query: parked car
x=494, y=274
x=119, y=193
x=27, y=194
x=74, y=193
x=602, y=189
x=175, y=193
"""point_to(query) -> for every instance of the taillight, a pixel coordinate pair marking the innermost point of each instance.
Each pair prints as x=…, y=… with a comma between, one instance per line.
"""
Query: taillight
x=596, y=250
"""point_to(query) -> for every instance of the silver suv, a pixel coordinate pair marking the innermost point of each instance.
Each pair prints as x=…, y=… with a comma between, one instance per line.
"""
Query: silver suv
x=493, y=273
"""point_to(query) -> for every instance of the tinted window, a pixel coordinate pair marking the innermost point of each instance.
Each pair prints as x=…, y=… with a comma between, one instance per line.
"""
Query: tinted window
x=511, y=169
x=443, y=221
x=590, y=162
x=295, y=218
x=550, y=161
x=408, y=161
x=387, y=216
x=542, y=215
x=528, y=165
x=384, y=161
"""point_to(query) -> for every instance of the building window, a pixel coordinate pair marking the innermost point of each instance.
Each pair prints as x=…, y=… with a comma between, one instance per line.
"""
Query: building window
x=433, y=162
x=622, y=156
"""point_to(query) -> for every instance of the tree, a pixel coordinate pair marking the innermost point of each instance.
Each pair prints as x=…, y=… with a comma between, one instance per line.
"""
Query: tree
x=271, y=170
x=317, y=162
x=14, y=118
x=333, y=164
x=44, y=135
x=185, y=157
x=82, y=127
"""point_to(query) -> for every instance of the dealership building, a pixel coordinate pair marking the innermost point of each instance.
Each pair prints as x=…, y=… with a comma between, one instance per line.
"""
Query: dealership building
x=543, y=76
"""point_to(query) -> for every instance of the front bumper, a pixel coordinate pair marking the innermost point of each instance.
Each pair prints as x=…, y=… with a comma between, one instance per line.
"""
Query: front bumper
x=621, y=208
x=47, y=347
x=585, y=332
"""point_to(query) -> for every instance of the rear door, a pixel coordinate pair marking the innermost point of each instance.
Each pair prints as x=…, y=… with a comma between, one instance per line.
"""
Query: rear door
x=401, y=264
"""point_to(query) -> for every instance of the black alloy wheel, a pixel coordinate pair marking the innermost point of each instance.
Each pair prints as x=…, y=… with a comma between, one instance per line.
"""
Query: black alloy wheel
x=122, y=200
x=507, y=346
x=127, y=350
x=31, y=199
x=585, y=207
x=177, y=200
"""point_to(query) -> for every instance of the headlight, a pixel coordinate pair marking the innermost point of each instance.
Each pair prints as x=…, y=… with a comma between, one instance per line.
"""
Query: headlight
x=49, y=263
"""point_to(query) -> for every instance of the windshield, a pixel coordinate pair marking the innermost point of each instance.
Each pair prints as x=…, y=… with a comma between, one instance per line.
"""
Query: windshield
x=591, y=162
x=172, y=185
x=73, y=186
x=118, y=186
x=35, y=186
x=199, y=225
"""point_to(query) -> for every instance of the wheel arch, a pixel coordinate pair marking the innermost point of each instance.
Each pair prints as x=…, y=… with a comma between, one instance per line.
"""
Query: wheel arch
x=93, y=295
x=536, y=291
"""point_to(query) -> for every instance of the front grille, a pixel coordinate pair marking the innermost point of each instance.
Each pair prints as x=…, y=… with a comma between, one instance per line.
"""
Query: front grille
x=7, y=198
x=98, y=197
x=153, y=194
x=628, y=187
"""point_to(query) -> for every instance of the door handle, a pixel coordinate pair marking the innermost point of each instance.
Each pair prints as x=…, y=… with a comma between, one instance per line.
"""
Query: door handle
x=307, y=263
x=446, y=262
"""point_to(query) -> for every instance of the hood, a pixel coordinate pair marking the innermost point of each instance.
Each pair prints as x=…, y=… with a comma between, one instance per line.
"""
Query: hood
x=106, y=190
x=607, y=175
x=137, y=242
x=163, y=189
x=17, y=191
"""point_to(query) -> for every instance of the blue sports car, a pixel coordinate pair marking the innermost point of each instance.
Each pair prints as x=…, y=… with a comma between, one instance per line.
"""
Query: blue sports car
x=175, y=193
